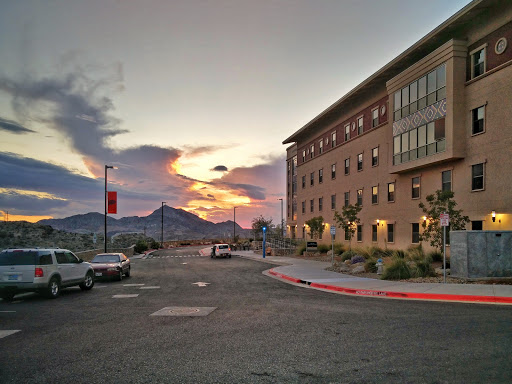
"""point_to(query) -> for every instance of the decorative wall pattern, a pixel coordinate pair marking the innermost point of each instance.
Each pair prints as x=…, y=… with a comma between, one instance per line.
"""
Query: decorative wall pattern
x=426, y=115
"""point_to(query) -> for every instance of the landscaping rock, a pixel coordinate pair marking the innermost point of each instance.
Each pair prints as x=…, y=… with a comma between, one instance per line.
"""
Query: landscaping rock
x=358, y=269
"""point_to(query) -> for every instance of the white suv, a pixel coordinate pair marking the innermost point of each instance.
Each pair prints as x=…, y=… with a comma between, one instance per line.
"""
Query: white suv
x=221, y=250
x=42, y=270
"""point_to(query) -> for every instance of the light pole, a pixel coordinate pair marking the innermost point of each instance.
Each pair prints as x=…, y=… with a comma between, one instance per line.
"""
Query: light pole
x=282, y=222
x=234, y=224
x=106, y=167
x=162, y=242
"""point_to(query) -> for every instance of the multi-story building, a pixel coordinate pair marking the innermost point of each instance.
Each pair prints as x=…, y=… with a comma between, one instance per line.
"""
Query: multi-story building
x=437, y=117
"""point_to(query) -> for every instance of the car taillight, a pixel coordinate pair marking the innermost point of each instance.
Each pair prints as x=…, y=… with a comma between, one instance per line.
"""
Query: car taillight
x=39, y=272
x=229, y=249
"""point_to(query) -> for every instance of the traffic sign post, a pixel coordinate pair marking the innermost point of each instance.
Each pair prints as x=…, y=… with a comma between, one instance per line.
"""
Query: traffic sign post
x=333, y=233
x=444, y=219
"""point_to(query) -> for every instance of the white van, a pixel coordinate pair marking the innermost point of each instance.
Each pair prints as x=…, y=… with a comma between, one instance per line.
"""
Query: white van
x=221, y=250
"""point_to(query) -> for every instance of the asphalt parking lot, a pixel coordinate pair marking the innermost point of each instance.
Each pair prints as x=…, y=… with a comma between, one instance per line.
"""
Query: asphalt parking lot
x=186, y=318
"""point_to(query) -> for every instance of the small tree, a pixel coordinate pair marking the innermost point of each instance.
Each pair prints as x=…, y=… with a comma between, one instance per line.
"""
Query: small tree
x=316, y=227
x=257, y=226
x=348, y=220
x=440, y=202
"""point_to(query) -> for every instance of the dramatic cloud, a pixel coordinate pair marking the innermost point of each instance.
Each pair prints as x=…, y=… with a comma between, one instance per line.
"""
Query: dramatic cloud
x=13, y=127
x=220, y=168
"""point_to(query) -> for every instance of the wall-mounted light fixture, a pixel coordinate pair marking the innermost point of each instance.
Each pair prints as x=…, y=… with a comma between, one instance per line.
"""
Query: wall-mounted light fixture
x=378, y=222
x=424, y=218
x=493, y=214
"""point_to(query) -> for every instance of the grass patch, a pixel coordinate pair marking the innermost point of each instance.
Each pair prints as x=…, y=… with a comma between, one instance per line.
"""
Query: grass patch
x=398, y=269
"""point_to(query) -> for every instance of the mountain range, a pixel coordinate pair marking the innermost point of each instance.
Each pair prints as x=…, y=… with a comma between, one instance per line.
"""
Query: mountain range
x=178, y=225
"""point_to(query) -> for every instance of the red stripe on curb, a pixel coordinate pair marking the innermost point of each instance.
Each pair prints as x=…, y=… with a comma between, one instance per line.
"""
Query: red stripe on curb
x=401, y=295
x=280, y=275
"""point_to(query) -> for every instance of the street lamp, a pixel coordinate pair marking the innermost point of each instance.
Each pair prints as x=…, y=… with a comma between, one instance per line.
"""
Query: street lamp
x=106, y=167
x=282, y=222
x=234, y=224
x=162, y=242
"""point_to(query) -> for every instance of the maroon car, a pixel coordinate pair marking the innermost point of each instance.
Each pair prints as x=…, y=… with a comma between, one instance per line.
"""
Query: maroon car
x=108, y=265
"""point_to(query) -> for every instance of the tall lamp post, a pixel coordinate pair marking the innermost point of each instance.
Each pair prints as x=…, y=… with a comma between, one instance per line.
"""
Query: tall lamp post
x=282, y=222
x=106, y=167
x=162, y=242
x=234, y=224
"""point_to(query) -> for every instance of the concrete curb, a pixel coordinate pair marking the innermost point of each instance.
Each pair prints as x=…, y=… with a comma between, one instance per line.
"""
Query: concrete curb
x=499, y=300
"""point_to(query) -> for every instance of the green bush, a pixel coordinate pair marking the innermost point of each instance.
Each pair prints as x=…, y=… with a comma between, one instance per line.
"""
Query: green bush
x=338, y=249
x=370, y=265
x=347, y=255
x=397, y=270
x=301, y=248
x=140, y=247
x=154, y=244
x=399, y=254
x=435, y=256
x=324, y=248
x=423, y=268
x=416, y=253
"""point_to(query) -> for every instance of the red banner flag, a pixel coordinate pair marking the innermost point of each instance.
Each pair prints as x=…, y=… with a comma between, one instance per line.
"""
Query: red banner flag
x=112, y=202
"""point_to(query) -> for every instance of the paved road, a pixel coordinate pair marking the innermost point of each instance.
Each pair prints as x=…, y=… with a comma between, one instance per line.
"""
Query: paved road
x=261, y=331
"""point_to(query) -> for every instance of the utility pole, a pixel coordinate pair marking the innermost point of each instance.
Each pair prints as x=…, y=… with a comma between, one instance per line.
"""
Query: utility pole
x=162, y=242
x=282, y=221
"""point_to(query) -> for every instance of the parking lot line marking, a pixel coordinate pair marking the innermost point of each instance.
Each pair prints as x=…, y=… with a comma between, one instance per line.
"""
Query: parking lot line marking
x=133, y=285
x=8, y=332
x=156, y=287
x=124, y=296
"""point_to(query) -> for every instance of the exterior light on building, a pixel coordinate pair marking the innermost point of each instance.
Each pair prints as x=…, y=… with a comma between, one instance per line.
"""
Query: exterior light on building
x=378, y=222
x=424, y=218
x=493, y=214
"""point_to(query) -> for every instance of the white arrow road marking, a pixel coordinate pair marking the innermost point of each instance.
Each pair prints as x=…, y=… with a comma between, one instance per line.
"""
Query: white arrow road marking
x=155, y=287
x=184, y=263
x=200, y=284
x=8, y=333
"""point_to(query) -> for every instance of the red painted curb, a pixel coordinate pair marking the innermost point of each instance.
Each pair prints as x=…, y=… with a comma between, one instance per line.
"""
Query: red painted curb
x=400, y=295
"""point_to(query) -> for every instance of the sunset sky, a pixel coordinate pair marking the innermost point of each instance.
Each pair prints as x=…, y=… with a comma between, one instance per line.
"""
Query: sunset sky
x=189, y=99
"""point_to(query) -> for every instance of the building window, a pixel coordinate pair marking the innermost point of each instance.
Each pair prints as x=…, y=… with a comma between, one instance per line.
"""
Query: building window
x=333, y=201
x=478, y=62
x=320, y=146
x=320, y=175
x=303, y=207
x=415, y=233
x=415, y=188
x=320, y=204
x=347, y=235
x=360, y=197
x=347, y=199
x=303, y=156
x=477, y=177
x=478, y=120
x=375, y=157
x=360, y=125
x=391, y=192
x=446, y=180
x=312, y=151
x=333, y=171
x=374, y=232
x=359, y=233
x=375, y=117
x=347, y=166
x=311, y=205
x=312, y=179
x=391, y=233
x=347, y=132
x=333, y=139
x=375, y=195
x=360, y=162
x=477, y=225
x=303, y=181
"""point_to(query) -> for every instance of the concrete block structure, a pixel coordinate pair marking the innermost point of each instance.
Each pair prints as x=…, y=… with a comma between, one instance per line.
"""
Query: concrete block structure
x=437, y=117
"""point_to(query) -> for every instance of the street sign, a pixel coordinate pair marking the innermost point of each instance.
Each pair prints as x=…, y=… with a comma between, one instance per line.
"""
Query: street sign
x=333, y=231
x=445, y=219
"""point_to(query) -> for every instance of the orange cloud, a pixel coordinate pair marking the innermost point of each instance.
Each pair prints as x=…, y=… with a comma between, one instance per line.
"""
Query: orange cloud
x=31, y=219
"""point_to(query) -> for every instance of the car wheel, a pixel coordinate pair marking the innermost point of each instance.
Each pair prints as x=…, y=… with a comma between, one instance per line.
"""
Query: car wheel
x=53, y=290
x=7, y=297
x=88, y=282
x=127, y=274
x=120, y=276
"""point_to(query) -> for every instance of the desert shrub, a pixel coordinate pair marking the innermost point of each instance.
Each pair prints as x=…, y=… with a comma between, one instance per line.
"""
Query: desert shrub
x=436, y=256
x=140, y=247
x=347, y=255
x=324, y=248
x=154, y=244
x=370, y=265
x=338, y=248
x=397, y=270
x=399, y=254
x=423, y=268
x=357, y=259
x=301, y=248
x=416, y=253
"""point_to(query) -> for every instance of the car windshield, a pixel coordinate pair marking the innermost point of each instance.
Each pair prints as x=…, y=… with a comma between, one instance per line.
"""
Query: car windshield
x=18, y=258
x=106, y=259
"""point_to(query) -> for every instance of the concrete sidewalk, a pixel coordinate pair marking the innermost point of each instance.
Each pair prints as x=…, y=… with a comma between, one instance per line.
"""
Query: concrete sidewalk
x=313, y=274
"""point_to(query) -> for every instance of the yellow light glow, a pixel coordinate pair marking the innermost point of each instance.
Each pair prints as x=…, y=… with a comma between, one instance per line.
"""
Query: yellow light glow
x=30, y=219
